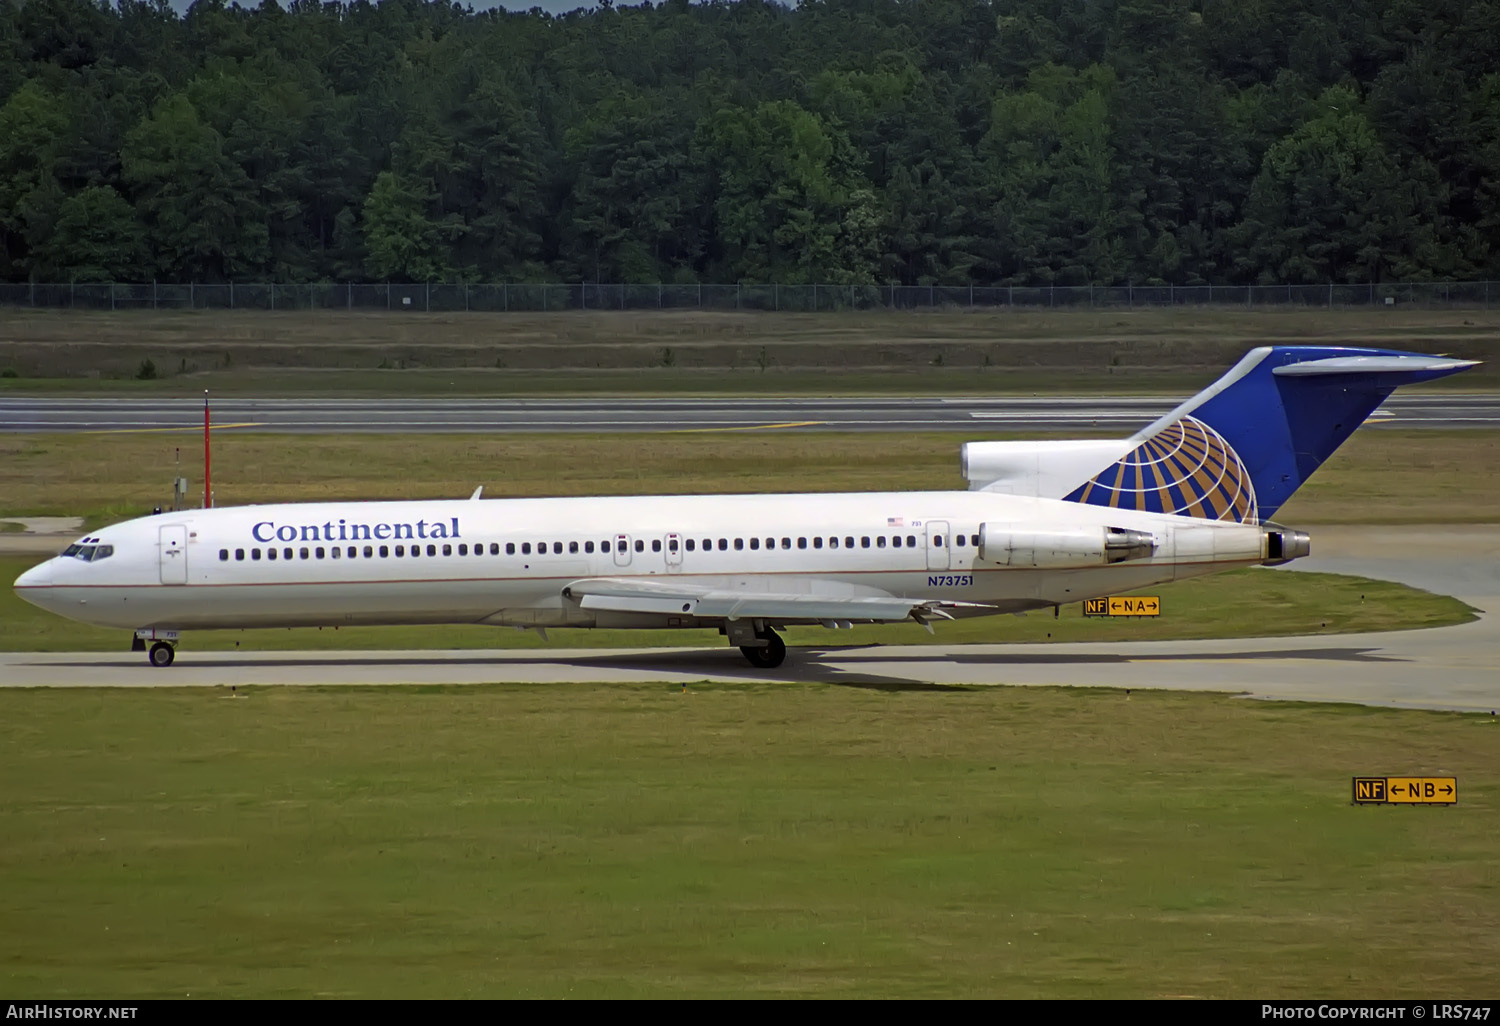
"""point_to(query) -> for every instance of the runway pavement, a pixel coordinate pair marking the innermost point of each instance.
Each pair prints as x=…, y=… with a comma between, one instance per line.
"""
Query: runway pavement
x=1446, y=668
x=617, y=415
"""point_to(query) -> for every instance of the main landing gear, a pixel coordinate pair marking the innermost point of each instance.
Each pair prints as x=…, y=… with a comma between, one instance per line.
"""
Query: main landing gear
x=162, y=654
x=768, y=655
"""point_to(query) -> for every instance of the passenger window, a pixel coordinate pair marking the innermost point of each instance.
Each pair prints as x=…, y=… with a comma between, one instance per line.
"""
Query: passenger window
x=604, y=546
x=817, y=543
x=723, y=544
x=239, y=555
x=911, y=541
x=958, y=540
x=937, y=541
x=833, y=543
x=708, y=543
x=416, y=550
x=400, y=550
x=801, y=543
x=270, y=553
x=557, y=548
x=974, y=538
x=255, y=553
x=223, y=555
x=463, y=550
x=689, y=544
x=755, y=543
x=369, y=551
x=880, y=541
x=655, y=544
x=849, y=542
x=896, y=542
x=739, y=544
x=588, y=548
x=302, y=552
x=864, y=542
x=572, y=547
x=526, y=548
x=447, y=550
x=352, y=552
x=640, y=546
x=770, y=543
x=286, y=553
x=431, y=550
x=335, y=552
x=510, y=548
x=318, y=552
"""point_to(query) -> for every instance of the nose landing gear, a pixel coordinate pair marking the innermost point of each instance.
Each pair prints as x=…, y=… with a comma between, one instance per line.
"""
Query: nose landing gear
x=163, y=645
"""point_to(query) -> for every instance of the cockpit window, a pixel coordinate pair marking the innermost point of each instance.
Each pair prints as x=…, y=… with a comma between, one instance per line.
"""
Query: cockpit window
x=89, y=553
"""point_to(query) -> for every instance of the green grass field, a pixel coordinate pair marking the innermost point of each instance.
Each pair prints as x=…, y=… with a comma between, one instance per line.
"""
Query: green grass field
x=1381, y=475
x=764, y=840
x=691, y=352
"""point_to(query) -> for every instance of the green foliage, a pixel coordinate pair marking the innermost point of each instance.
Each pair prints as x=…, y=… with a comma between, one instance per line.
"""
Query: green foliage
x=147, y=371
x=949, y=142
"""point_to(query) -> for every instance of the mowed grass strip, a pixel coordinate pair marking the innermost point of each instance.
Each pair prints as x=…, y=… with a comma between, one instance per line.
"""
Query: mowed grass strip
x=787, y=840
x=1238, y=604
x=684, y=351
x=1382, y=475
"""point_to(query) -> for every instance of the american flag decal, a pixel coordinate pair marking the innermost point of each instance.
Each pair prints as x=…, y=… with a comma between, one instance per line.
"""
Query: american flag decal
x=892, y=521
x=1187, y=469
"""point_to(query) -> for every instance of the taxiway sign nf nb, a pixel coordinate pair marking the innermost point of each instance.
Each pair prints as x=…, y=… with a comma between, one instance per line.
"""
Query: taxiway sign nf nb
x=1406, y=790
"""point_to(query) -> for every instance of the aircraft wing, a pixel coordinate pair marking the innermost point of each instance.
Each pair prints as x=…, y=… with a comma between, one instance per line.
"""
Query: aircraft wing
x=681, y=599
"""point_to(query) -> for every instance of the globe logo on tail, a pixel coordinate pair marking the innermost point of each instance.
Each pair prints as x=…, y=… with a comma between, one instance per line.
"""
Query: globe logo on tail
x=1187, y=469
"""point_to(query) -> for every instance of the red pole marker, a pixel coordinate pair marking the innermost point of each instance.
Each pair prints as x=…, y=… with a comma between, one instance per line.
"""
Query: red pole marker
x=207, y=483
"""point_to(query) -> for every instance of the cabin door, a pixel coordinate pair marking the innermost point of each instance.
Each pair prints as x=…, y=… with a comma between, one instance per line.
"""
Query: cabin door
x=674, y=553
x=173, y=546
x=622, y=550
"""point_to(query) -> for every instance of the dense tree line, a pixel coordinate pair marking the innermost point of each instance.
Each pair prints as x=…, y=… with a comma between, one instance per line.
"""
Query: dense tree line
x=844, y=141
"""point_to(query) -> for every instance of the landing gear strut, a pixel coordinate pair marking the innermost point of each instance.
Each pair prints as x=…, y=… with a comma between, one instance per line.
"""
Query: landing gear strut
x=162, y=654
x=768, y=656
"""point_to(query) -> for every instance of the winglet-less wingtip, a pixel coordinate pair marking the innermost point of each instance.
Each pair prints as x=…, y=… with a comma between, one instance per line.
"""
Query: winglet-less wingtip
x=476, y=493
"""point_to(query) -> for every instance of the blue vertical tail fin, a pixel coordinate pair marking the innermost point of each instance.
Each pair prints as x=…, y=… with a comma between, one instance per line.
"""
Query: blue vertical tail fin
x=1241, y=447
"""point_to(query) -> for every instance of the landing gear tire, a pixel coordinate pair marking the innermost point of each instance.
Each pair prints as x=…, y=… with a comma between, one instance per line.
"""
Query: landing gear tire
x=767, y=656
x=162, y=654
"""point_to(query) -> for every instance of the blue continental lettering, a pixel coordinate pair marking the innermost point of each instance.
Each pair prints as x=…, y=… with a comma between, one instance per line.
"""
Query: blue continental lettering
x=269, y=530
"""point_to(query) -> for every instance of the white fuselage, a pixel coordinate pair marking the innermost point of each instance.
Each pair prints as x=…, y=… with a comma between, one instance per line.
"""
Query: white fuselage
x=510, y=561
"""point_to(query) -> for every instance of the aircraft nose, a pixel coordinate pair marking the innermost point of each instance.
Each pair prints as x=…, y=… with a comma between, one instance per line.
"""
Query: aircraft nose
x=38, y=576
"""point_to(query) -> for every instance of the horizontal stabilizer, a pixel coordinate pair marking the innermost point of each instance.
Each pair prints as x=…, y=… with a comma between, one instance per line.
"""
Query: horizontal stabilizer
x=1409, y=368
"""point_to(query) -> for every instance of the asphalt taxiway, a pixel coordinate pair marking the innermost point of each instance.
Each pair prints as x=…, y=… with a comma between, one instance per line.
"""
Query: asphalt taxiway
x=1454, y=668
x=622, y=415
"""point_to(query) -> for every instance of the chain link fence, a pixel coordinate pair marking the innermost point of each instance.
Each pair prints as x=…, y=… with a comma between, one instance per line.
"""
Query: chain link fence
x=542, y=298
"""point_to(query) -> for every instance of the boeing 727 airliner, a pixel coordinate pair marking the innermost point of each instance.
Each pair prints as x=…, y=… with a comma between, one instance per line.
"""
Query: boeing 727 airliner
x=1043, y=523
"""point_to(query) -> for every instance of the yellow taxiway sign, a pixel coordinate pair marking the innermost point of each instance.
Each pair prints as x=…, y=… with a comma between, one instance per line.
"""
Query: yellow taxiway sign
x=1405, y=790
